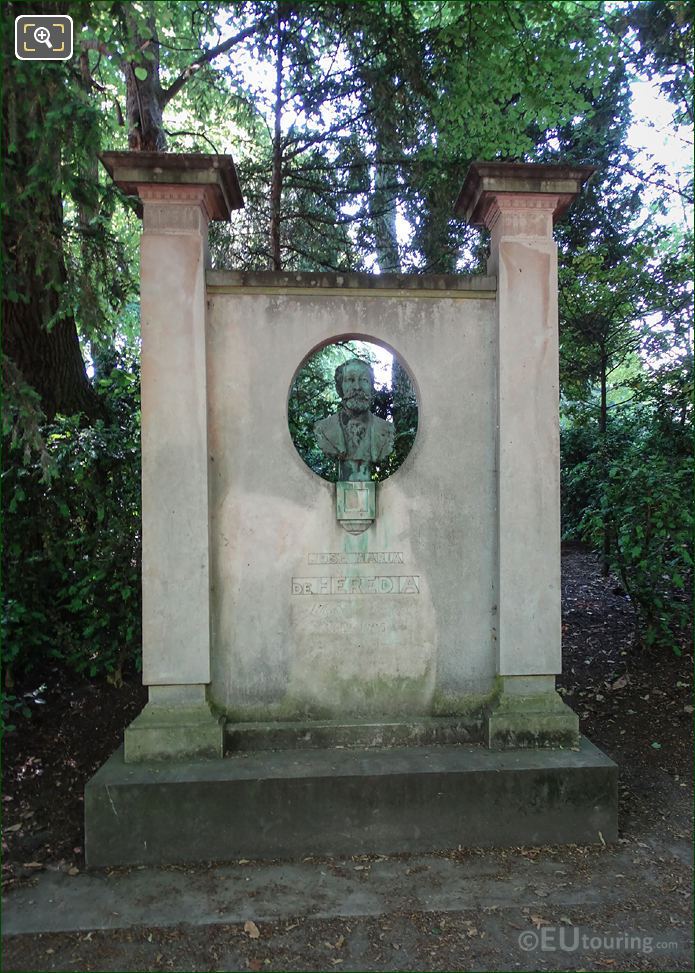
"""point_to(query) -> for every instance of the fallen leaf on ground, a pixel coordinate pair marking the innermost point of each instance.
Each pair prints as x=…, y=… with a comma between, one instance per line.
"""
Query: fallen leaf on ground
x=251, y=929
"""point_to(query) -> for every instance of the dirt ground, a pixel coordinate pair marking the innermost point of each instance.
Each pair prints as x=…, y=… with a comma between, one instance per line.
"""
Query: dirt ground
x=634, y=704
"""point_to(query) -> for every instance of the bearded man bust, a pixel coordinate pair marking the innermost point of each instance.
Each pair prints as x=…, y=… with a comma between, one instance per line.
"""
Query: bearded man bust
x=354, y=435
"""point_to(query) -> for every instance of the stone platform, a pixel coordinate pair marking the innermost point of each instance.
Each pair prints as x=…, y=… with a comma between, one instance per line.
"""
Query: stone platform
x=291, y=804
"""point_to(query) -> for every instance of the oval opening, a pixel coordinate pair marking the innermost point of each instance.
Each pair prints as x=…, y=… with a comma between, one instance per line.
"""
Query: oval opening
x=344, y=430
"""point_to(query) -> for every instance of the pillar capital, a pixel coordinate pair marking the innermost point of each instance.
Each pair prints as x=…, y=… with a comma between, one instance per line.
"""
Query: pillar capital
x=494, y=189
x=209, y=181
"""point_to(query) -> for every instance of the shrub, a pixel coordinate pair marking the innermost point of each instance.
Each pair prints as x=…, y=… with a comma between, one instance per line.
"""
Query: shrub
x=636, y=483
x=71, y=558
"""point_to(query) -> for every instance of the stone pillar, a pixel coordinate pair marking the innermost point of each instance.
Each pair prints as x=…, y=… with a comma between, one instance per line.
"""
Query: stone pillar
x=518, y=203
x=179, y=194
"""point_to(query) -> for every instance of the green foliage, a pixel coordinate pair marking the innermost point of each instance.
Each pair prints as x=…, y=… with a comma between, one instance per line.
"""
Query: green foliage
x=659, y=36
x=643, y=499
x=71, y=556
x=635, y=482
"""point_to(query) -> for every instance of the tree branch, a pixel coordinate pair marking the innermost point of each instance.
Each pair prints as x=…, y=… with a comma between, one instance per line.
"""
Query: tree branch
x=197, y=135
x=204, y=59
x=93, y=45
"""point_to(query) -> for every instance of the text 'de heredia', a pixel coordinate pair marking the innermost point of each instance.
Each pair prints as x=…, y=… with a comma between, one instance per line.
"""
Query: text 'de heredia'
x=380, y=585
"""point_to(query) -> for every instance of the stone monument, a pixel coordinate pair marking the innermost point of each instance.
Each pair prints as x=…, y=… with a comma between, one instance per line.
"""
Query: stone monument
x=351, y=667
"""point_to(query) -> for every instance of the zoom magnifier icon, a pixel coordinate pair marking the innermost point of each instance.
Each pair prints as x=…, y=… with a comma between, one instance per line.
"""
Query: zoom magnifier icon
x=42, y=35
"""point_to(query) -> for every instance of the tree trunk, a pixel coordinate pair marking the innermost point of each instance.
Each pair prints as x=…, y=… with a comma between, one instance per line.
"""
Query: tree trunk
x=40, y=336
x=383, y=212
x=382, y=205
x=143, y=97
x=50, y=361
x=41, y=342
x=602, y=429
x=276, y=181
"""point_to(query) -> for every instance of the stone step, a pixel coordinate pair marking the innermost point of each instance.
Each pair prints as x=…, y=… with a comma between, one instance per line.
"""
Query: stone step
x=290, y=804
x=319, y=734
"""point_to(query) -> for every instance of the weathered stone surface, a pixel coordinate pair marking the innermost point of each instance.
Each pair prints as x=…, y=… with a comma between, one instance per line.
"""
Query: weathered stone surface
x=355, y=505
x=531, y=720
x=306, y=621
x=391, y=285
x=174, y=733
x=336, y=802
x=320, y=734
x=486, y=182
x=214, y=174
x=175, y=555
x=179, y=196
x=177, y=723
x=528, y=457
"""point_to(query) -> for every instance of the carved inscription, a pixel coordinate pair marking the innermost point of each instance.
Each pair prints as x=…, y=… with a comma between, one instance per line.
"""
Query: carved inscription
x=357, y=557
x=380, y=585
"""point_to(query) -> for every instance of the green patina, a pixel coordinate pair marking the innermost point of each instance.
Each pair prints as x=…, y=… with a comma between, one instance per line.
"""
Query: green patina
x=505, y=720
x=539, y=720
x=465, y=705
x=288, y=709
x=169, y=732
x=383, y=697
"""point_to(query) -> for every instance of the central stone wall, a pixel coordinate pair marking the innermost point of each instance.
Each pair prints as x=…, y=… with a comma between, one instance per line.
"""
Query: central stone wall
x=309, y=621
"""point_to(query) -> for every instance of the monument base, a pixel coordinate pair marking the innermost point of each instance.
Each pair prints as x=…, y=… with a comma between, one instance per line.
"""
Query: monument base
x=290, y=804
x=538, y=720
x=174, y=733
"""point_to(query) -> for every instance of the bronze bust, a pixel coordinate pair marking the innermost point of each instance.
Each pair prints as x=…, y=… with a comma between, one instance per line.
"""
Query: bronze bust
x=354, y=435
